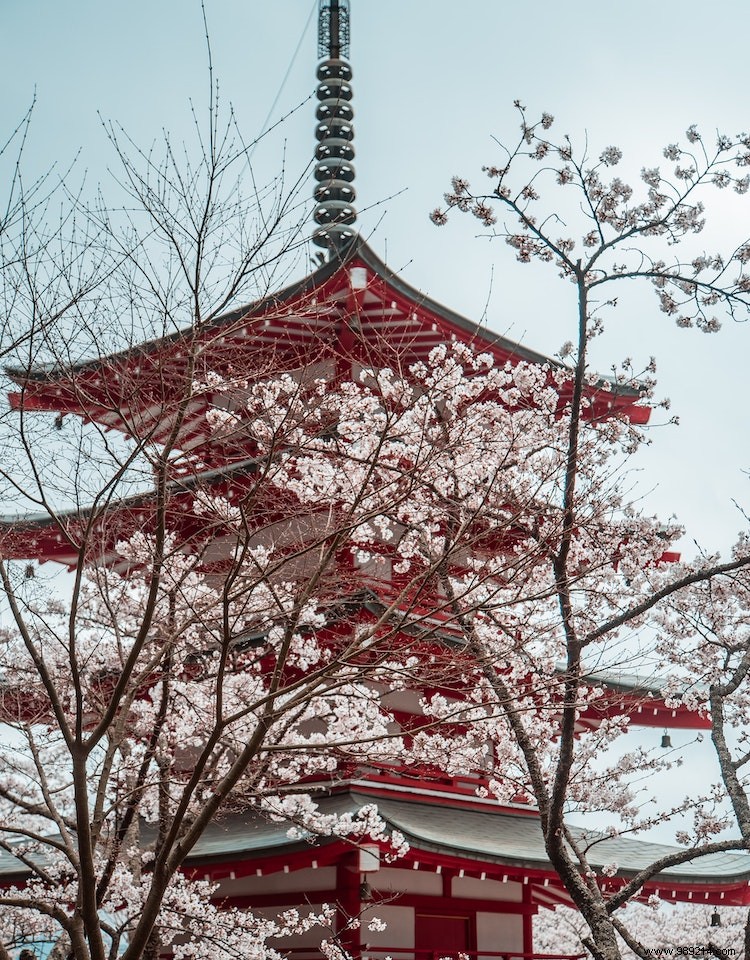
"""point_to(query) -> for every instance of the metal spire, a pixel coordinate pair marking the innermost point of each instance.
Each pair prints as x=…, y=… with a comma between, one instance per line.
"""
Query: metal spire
x=333, y=29
x=334, y=172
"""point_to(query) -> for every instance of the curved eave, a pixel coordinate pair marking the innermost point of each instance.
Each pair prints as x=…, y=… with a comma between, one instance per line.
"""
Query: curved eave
x=497, y=843
x=355, y=286
x=56, y=537
x=641, y=699
x=54, y=373
x=355, y=253
x=517, y=841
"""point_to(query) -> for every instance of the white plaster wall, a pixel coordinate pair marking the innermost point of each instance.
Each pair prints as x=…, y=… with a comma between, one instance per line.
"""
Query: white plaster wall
x=398, y=933
x=296, y=881
x=499, y=931
x=406, y=700
x=391, y=880
x=487, y=889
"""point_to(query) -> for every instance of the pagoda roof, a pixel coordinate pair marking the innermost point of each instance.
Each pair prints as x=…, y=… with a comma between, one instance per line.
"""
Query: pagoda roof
x=354, y=253
x=437, y=830
x=56, y=536
x=48, y=537
x=491, y=840
x=352, y=305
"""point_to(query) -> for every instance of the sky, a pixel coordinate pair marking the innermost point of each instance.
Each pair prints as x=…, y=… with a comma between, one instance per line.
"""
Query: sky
x=434, y=85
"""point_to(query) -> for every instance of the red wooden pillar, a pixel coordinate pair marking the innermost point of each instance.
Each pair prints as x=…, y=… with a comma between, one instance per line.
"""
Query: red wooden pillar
x=528, y=915
x=349, y=903
x=448, y=876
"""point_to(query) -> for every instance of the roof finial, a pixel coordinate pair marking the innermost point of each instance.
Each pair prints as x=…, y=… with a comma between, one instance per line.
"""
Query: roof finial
x=333, y=29
x=334, y=171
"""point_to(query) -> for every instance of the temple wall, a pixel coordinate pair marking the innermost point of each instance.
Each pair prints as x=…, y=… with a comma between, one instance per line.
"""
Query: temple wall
x=391, y=880
x=495, y=932
x=499, y=931
x=296, y=881
x=487, y=889
x=399, y=932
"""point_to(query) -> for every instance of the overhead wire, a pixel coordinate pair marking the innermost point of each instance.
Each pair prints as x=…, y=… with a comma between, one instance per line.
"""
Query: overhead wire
x=288, y=72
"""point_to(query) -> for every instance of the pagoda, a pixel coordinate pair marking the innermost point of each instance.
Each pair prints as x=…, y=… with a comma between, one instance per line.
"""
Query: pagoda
x=476, y=871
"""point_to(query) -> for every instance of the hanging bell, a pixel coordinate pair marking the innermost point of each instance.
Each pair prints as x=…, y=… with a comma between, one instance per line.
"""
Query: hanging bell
x=715, y=919
x=666, y=740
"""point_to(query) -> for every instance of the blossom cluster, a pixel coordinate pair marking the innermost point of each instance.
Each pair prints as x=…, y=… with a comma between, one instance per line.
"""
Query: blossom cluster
x=617, y=226
x=396, y=540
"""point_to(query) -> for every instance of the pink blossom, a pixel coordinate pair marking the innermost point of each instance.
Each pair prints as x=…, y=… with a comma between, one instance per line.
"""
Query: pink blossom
x=485, y=213
x=611, y=156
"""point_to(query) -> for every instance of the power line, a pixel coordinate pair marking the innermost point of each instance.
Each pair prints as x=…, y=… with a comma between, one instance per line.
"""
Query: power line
x=288, y=69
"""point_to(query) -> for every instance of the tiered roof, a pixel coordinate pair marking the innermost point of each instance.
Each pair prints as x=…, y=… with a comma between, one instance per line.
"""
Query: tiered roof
x=474, y=838
x=350, y=311
x=352, y=306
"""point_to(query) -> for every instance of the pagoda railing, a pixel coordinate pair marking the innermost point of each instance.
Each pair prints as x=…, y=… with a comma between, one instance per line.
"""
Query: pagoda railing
x=410, y=953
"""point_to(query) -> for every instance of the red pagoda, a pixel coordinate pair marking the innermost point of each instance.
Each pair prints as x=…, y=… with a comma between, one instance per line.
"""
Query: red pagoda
x=476, y=872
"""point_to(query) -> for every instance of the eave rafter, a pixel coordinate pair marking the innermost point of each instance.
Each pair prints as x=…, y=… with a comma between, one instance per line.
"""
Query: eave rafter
x=483, y=845
x=352, y=305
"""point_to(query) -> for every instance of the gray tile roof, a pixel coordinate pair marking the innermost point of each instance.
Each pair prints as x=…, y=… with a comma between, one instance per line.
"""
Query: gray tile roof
x=484, y=835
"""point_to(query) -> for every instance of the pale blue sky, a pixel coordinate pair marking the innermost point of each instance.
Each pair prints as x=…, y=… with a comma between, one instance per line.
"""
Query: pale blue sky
x=434, y=82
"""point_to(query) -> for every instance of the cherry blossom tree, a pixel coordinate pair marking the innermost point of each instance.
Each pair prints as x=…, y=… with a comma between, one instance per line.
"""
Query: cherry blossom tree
x=226, y=635
x=188, y=672
x=167, y=677
x=38, y=242
x=539, y=184
x=711, y=676
x=672, y=930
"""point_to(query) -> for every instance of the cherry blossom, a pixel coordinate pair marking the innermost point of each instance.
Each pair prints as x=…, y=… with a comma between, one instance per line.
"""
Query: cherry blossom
x=616, y=230
x=663, y=930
